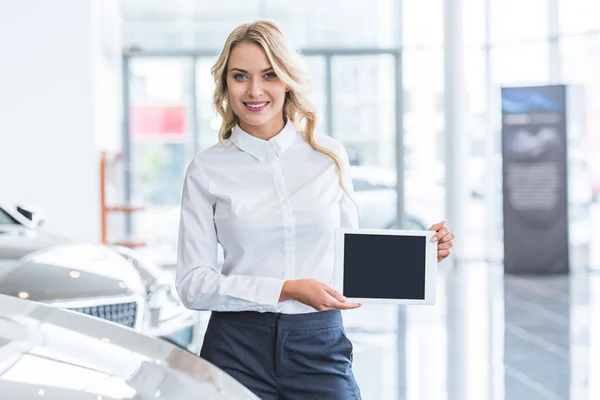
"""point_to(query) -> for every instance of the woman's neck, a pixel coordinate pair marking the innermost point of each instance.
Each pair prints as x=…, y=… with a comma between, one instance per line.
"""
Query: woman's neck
x=265, y=131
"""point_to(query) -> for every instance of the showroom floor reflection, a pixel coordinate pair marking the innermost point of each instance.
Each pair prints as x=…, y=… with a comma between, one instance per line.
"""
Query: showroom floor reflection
x=488, y=337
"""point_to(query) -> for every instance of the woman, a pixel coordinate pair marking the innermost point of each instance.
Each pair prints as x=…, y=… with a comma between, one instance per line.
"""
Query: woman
x=272, y=196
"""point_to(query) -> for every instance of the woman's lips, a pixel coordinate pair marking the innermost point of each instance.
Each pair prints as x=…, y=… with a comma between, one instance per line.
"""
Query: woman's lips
x=256, y=106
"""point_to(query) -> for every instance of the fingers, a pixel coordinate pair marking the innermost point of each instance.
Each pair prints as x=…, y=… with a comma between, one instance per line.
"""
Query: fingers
x=445, y=246
x=330, y=299
x=439, y=234
x=443, y=235
x=337, y=301
x=337, y=305
x=446, y=241
x=443, y=254
x=334, y=293
x=448, y=236
x=349, y=306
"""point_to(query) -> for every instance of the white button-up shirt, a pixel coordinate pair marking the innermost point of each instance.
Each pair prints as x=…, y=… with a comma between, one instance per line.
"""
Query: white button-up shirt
x=274, y=207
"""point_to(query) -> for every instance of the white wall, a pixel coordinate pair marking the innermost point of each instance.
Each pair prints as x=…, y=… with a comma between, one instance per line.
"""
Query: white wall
x=107, y=73
x=50, y=105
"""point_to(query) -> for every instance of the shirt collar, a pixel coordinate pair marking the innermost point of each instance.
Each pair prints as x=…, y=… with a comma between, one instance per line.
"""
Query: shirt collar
x=258, y=147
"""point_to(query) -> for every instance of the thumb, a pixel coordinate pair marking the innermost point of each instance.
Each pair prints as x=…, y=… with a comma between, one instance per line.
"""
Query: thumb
x=334, y=293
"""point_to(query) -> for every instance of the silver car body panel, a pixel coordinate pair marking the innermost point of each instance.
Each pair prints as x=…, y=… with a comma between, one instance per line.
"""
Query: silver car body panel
x=16, y=241
x=117, y=273
x=52, y=354
x=69, y=272
x=167, y=312
x=45, y=267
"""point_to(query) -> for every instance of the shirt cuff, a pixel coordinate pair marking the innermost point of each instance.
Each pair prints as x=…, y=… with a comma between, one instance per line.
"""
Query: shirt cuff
x=269, y=291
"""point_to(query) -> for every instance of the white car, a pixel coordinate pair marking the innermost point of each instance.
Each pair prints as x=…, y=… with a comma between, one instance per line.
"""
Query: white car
x=92, y=279
x=375, y=194
x=108, y=282
x=49, y=353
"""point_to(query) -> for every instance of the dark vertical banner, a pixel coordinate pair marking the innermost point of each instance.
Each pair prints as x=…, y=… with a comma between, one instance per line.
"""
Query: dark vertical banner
x=535, y=197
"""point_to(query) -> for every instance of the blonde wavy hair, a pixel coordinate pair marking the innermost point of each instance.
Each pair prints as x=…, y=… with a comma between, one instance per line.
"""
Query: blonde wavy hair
x=289, y=67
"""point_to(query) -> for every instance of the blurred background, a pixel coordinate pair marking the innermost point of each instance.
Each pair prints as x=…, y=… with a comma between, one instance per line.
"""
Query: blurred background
x=104, y=103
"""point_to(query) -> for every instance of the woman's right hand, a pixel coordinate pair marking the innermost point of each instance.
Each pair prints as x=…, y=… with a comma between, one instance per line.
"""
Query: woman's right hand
x=315, y=294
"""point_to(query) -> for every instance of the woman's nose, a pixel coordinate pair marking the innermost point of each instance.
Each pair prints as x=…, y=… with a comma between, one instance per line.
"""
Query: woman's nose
x=255, y=89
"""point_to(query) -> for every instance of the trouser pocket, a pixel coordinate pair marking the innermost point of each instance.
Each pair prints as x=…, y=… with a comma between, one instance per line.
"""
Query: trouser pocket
x=326, y=350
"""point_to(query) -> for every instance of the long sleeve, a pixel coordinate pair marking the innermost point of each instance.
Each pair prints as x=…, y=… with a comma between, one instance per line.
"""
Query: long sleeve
x=200, y=283
x=348, y=209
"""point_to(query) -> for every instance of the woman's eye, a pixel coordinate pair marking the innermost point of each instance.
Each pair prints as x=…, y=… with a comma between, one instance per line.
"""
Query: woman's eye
x=270, y=75
x=239, y=76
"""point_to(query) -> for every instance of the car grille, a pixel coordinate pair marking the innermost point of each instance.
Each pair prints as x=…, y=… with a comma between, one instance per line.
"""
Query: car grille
x=123, y=313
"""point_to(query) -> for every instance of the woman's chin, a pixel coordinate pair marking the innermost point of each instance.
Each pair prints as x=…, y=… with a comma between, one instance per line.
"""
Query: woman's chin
x=257, y=120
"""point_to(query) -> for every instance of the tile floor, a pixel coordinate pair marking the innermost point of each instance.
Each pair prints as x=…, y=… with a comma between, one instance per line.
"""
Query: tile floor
x=488, y=337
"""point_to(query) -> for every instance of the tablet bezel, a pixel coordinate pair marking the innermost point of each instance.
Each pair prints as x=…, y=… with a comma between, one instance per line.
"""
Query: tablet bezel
x=431, y=265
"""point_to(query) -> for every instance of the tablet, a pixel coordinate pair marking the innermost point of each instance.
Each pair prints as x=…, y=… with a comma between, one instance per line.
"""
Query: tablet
x=386, y=266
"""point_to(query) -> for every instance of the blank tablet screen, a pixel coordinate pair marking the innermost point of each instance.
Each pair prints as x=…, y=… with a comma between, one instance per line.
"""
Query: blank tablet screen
x=384, y=266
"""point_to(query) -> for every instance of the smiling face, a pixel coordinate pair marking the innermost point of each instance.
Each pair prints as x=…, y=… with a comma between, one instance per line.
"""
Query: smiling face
x=256, y=94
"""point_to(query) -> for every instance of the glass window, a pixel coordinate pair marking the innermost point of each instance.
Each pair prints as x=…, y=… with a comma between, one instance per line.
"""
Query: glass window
x=423, y=106
x=337, y=23
x=476, y=104
x=423, y=134
x=182, y=24
x=317, y=68
x=577, y=16
x=423, y=23
x=214, y=20
x=574, y=53
x=478, y=165
x=208, y=122
x=521, y=64
x=364, y=107
x=161, y=148
x=6, y=219
x=308, y=23
x=474, y=22
x=475, y=80
x=580, y=63
x=364, y=120
x=518, y=20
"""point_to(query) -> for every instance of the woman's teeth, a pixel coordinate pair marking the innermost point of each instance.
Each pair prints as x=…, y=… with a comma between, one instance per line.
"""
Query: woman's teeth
x=256, y=105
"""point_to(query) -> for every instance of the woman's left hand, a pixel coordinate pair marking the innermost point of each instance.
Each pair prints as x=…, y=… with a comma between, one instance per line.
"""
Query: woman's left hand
x=444, y=237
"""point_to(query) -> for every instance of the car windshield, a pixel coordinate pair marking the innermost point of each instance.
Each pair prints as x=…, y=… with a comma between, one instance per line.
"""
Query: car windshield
x=361, y=185
x=6, y=219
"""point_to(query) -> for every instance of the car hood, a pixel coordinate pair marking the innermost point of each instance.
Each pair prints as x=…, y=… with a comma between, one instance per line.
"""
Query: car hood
x=55, y=269
x=51, y=353
x=17, y=241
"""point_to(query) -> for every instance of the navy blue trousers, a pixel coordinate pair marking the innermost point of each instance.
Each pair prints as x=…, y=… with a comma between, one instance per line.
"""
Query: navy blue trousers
x=283, y=356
